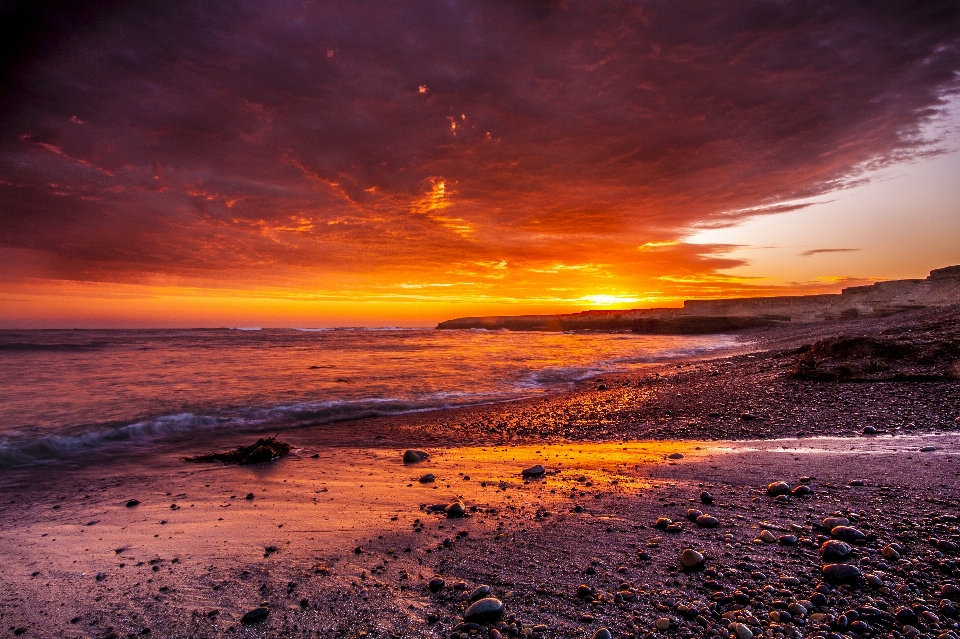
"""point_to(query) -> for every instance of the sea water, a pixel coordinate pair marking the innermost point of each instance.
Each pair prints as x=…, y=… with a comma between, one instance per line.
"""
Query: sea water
x=66, y=392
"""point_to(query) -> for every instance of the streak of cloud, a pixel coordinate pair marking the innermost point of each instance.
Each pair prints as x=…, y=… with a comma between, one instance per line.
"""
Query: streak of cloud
x=828, y=250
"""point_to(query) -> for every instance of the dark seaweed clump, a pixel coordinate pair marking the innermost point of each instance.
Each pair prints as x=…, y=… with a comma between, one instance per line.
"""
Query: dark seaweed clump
x=263, y=450
x=877, y=359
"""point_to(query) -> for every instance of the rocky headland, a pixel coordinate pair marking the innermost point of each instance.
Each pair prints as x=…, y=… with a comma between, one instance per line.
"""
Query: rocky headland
x=940, y=288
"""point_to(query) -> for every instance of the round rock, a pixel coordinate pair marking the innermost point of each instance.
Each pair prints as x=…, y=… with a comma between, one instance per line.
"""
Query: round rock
x=834, y=550
x=707, y=521
x=841, y=573
x=486, y=610
x=456, y=509
x=255, y=615
x=778, y=488
x=436, y=585
x=691, y=559
x=706, y=498
x=603, y=633
x=832, y=522
x=533, y=471
x=414, y=456
x=848, y=534
x=480, y=592
x=427, y=479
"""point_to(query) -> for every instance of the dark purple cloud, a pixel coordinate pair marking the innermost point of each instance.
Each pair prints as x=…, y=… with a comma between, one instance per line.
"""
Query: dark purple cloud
x=269, y=142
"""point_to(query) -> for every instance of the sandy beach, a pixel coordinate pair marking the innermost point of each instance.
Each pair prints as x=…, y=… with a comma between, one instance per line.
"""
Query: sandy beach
x=341, y=538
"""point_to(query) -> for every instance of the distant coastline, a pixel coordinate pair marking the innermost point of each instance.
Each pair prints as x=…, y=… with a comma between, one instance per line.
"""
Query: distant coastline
x=940, y=288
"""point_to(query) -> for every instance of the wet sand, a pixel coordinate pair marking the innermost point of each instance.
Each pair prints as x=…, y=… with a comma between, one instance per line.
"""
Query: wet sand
x=338, y=539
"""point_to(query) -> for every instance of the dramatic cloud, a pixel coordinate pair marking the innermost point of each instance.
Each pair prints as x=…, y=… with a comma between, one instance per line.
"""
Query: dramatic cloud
x=501, y=145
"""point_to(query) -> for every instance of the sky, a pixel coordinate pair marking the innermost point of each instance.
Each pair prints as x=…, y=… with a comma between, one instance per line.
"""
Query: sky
x=318, y=163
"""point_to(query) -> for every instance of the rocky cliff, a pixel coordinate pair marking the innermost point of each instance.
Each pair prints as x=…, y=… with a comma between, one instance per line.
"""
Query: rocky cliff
x=940, y=288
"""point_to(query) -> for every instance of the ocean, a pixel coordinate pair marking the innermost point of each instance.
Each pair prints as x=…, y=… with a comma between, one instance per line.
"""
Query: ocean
x=66, y=393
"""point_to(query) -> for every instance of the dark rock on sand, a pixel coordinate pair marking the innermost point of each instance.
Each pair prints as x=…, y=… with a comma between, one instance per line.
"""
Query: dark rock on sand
x=832, y=522
x=848, y=534
x=602, y=633
x=690, y=559
x=706, y=498
x=263, y=450
x=255, y=615
x=427, y=479
x=533, y=471
x=487, y=610
x=841, y=573
x=456, y=509
x=480, y=592
x=834, y=550
x=436, y=585
x=707, y=521
x=778, y=488
x=414, y=456
x=133, y=502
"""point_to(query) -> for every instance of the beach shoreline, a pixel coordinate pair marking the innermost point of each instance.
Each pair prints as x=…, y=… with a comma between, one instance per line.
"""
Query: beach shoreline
x=81, y=562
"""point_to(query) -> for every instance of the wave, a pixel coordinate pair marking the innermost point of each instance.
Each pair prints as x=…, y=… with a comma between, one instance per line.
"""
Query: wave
x=17, y=451
x=32, y=347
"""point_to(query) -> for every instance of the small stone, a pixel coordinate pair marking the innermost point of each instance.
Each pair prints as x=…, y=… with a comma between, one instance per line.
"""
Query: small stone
x=662, y=624
x=707, y=521
x=675, y=456
x=869, y=430
x=743, y=632
x=480, y=592
x=255, y=615
x=706, y=498
x=693, y=513
x=691, y=559
x=584, y=591
x=533, y=471
x=768, y=537
x=414, y=456
x=928, y=449
x=848, y=534
x=778, y=488
x=249, y=497
x=801, y=491
x=661, y=523
x=427, y=479
x=890, y=552
x=834, y=550
x=133, y=502
x=487, y=610
x=456, y=509
x=436, y=585
x=832, y=522
x=841, y=573
x=603, y=633
x=788, y=540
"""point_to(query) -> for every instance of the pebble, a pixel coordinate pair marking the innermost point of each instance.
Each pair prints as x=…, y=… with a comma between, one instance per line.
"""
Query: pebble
x=427, y=479
x=693, y=513
x=788, y=540
x=869, y=430
x=533, y=471
x=662, y=624
x=255, y=615
x=414, y=456
x=841, y=573
x=834, y=550
x=742, y=631
x=675, y=456
x=436, y=585
x=707, y=521
x=848, y=534
x=479, y=592
x=691, y=559
x=456, y=509
x=133, y=502
x=487, y=610
x=768, y=537
x=603, y=633
x=706, y=498
x=832, y=522
x=801, y=491
x=928, y=449
x=778, y=488
x=890, y=552
x=249, y=497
